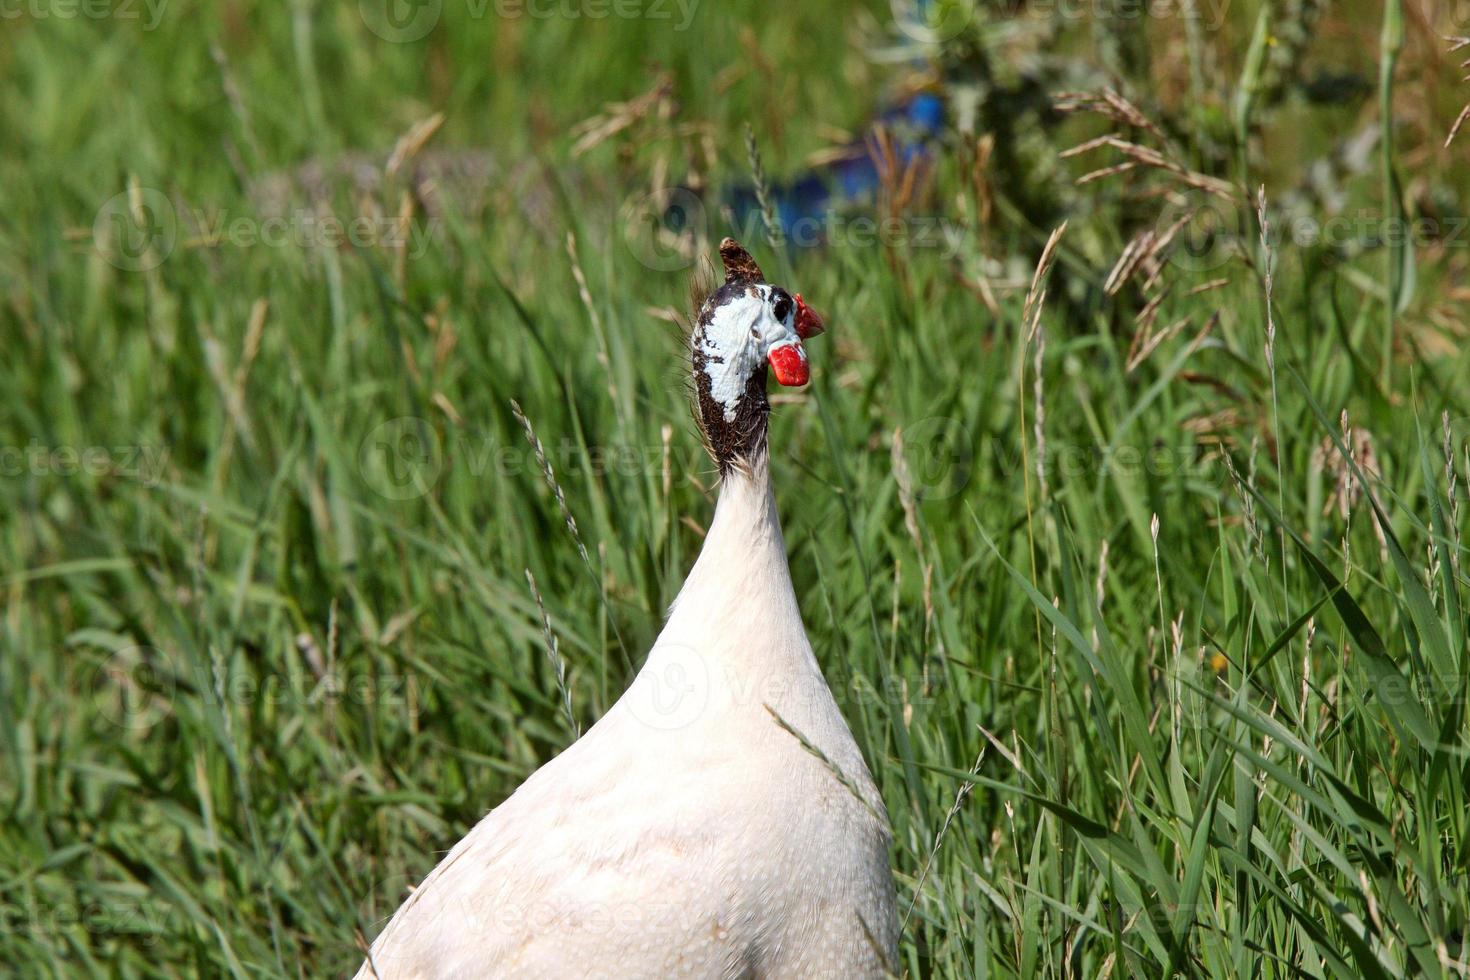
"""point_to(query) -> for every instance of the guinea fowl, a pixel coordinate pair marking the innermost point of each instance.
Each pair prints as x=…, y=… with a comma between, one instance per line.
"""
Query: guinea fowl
x=719, y=820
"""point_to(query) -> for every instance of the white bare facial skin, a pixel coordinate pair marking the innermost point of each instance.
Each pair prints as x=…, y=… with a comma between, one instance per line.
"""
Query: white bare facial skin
x=739, y=338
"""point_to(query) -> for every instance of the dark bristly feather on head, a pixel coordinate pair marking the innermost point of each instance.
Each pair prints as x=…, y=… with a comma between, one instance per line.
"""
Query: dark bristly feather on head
x=740, y=267
x=730, y=443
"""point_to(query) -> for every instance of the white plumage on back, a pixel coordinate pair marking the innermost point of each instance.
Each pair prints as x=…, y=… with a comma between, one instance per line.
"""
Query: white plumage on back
x=687, y=833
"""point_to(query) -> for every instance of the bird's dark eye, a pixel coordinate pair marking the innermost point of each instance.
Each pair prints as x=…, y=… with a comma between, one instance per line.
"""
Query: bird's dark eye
x=783, y=306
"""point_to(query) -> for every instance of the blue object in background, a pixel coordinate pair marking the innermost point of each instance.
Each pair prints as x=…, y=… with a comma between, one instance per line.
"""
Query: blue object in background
x=802, y=204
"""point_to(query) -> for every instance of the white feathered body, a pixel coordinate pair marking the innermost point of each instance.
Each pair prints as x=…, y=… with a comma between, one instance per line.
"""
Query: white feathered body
x=687, y=833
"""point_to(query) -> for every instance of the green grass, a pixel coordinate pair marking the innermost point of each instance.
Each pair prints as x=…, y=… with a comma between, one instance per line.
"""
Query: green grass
x=267, y=644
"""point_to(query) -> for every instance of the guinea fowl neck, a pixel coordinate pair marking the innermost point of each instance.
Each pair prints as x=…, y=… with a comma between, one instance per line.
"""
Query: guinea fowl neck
x=740, y=586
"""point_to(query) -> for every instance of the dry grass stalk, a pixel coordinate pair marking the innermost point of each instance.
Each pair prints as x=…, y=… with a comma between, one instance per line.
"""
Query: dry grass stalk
x=618, y=116
x=1117, y=109
x=1154, y=260
x=1104, y=172
x=907, y=499
x=1458, y=44
x=553, y=652
x=403, y=231
x=441, y=401
x=899, y=181
x=1451, y=481
x=649, y=120
x=238, y=105
x=1036, y=295
x=1088, y=145
x=232, y=391
x=959, y=801
x=1266, y=259
x=1146, y=344
x=1031, y=324
x=1038, y=415
x=1346, y=491
x=411, y=142
x=1154, y=160
x=979, y=180
x=1147, y=250
x=1205, y=287
x=981, y=287
x=1128, y=261
x=1243, y=489
x=843, y=779
x=774, y=232
x=1107, y=103
x=446, y=338
x=1204, y=332
x=549, y=474
x=1149, y=315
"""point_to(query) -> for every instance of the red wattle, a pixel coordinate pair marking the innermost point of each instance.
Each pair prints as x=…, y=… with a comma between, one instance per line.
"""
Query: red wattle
x=788, y=362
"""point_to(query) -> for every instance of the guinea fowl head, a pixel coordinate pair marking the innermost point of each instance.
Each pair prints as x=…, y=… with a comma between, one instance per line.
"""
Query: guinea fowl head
x=744, y=327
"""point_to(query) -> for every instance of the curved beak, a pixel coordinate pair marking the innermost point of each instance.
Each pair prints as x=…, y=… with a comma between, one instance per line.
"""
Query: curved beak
x=808, y=324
